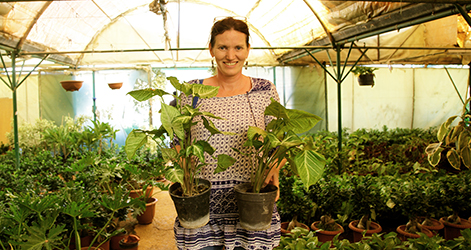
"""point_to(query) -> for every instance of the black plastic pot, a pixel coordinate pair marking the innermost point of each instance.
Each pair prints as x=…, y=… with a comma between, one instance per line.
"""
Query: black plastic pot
x=366, y=80
x=193, y=212
x=255, y=209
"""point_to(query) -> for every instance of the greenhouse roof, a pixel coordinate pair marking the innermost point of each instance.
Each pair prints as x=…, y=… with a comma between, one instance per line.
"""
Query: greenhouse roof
x=175, y=33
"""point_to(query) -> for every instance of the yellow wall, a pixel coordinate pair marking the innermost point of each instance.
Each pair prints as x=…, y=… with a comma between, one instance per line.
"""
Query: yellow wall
x=6, y=116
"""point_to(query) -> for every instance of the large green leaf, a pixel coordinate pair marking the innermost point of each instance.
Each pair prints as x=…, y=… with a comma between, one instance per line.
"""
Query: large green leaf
x=179, y=124
x=435, y=156
x=301, y=121
x=146, y=94
x=209, y=125
x=196, y=150
x=310, y=166
x=224, y=161
x=43, y=235
x=463, y=139
x=442, y=131
x=168, y=113
x=466, y=156
x=432, y=148
x=253, y=131
x=277, y=110
x=174, y=175
x=206, y=147
x=134, y=141
x=454, y=158
x=204, y=91
x=169, y=154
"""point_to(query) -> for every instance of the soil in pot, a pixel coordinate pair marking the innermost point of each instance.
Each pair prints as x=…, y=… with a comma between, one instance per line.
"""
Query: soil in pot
x=452, y=230
x=403, y=235
x=148, y=215
x=323, y=235
x=193, y=211
x=130, y=242
x=255, y=209
x=358, y=233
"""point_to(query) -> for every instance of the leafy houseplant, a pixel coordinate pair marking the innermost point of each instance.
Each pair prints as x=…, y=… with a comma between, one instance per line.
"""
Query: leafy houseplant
x=365, y=197
x=453, y=142
x=269, y=148
x=365, y=75
x=187, y=158
x=280, y=141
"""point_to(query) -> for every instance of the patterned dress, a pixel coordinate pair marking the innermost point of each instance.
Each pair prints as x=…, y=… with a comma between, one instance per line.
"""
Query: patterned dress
x=240, y=112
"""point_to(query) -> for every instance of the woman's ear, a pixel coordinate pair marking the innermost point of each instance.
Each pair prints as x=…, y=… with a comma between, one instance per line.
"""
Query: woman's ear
x=211, y=50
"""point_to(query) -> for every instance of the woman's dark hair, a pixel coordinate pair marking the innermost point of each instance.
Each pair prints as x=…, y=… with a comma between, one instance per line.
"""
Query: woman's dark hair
x=226, y=24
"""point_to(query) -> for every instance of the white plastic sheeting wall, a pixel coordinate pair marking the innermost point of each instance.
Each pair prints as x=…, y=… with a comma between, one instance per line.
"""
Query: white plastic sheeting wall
x=404, y=98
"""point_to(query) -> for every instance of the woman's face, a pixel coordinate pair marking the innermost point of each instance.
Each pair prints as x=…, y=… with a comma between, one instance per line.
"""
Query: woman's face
x=230, y=52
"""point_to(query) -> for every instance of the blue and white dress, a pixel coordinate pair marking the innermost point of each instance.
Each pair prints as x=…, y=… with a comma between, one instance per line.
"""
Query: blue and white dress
x=239, y=112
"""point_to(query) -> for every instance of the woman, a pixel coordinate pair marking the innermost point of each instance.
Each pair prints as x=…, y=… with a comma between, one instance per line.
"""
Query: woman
x=241, y=101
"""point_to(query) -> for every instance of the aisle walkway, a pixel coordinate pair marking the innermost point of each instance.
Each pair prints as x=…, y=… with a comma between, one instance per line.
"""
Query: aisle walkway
x=159, y=234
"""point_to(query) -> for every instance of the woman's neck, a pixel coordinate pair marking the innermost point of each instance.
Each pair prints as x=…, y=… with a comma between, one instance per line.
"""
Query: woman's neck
x=230, y=86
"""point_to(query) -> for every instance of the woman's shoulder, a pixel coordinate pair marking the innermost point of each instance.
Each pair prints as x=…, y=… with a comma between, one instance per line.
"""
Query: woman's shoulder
x=260, y=84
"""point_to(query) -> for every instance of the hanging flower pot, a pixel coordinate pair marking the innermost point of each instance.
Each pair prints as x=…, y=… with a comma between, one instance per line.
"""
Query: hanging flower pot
x=116, y=85
x=366, y=80
x=71, y=85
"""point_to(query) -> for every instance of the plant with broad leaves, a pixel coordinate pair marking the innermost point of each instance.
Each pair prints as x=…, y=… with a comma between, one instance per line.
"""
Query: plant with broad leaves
x=453, y=141
x=279, y=141
x=189, y=156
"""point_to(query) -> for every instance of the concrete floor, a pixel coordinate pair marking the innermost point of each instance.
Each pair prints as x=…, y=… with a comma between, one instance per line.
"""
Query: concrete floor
x=159, y=234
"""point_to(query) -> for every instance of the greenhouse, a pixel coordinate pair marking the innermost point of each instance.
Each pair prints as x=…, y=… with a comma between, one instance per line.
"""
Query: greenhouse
x=392, y=153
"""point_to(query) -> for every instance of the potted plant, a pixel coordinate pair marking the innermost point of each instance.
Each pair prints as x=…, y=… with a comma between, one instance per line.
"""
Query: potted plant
x=188, y=157
x=365, y=75
x=269, y=148
x=408, y=197
x=456, y=196
x=365, y=198
x=287, y=227
x=452, y=152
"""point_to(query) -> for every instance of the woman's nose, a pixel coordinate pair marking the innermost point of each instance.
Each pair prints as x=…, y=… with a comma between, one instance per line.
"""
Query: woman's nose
x=230, y=54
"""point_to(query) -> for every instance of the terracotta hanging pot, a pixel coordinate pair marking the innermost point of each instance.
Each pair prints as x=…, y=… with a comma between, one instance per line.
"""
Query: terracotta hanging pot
x=71, y=85
x=116, y=85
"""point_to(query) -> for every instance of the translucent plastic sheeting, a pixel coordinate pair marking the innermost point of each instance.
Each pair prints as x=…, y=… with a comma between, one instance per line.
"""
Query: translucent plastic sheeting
x=403, y=98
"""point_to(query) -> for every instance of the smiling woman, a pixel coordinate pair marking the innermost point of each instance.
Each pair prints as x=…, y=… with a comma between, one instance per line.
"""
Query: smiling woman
x=241, y=101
